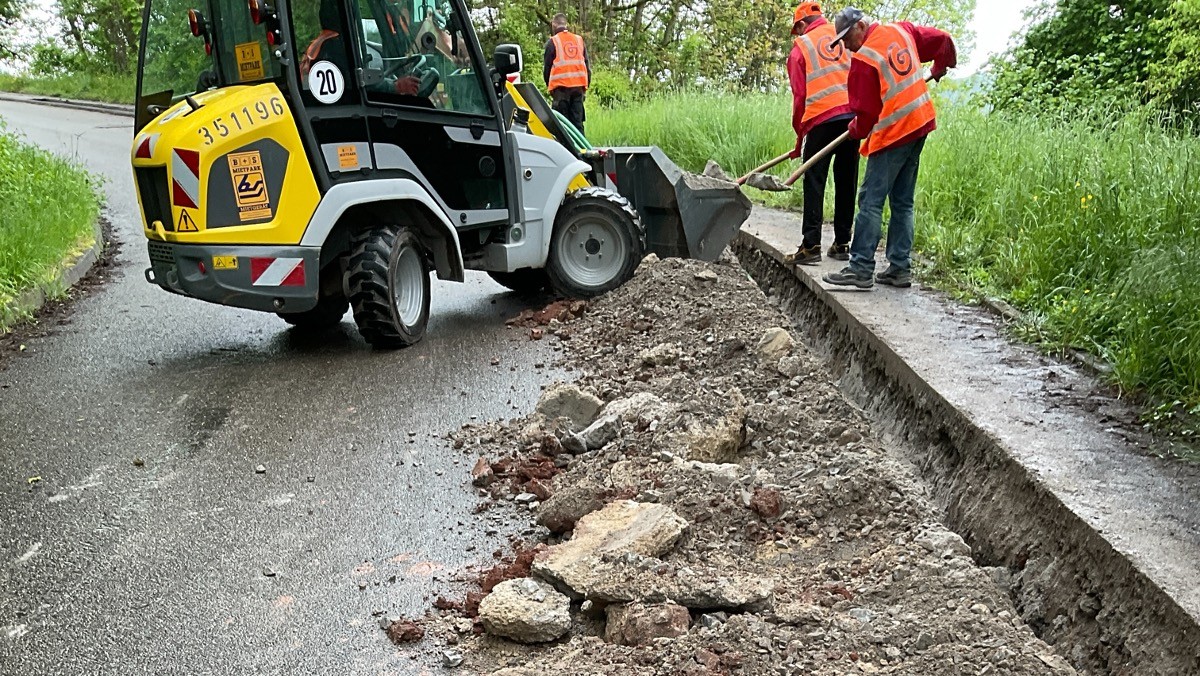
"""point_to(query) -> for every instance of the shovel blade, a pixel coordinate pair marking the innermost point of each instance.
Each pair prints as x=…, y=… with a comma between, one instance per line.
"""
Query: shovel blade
x=767, y=182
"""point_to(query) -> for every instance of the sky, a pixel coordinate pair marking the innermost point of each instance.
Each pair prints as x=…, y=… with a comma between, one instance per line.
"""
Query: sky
x=994, y=23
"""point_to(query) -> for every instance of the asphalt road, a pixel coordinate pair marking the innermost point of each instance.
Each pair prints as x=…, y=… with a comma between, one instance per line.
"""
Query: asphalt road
x=111, y=568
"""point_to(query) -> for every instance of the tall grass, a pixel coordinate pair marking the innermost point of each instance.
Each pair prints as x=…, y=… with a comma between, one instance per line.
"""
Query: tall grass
x=86, y=86
x=1091, y=226
x=47, y=212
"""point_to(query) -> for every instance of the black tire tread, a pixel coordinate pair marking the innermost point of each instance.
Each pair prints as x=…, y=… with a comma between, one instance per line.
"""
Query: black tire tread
x=367, y=279
x=598, y=198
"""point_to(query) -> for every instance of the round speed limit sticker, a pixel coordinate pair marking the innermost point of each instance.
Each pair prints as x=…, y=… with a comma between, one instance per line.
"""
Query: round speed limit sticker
x=325, y=82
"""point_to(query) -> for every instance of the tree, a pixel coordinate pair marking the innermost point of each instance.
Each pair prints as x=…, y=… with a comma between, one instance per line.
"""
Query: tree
x=10, y=14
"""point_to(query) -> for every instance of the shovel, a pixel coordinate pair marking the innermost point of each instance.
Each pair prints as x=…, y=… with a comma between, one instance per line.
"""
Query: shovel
x=714, y=170
x=771, y=183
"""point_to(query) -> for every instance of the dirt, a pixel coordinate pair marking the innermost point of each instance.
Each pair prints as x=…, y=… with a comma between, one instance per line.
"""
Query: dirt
x=865, y=579
x=55, y=314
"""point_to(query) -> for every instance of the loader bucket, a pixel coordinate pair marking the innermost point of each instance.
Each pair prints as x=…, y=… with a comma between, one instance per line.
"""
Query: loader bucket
x=686, y=215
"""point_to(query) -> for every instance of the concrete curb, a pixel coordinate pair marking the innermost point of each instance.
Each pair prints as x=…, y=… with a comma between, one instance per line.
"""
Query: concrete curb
x=1010, y=514
x=122, y=110
x=32, y=300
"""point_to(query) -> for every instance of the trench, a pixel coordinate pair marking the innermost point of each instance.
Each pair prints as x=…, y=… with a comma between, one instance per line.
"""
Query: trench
x=1070, y=585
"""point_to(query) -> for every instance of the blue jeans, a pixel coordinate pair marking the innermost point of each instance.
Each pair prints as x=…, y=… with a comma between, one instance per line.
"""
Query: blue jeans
x=891, y=175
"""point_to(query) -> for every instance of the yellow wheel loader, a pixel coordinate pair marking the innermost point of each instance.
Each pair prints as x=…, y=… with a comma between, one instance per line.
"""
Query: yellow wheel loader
x=312, y=156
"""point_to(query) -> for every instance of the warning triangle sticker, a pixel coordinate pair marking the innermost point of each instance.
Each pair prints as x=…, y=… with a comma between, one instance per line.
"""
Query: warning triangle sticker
x=186, y=224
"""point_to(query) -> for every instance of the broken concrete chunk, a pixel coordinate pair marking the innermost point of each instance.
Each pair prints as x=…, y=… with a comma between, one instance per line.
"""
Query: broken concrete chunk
x=714, y=170
x=635, y=624
x=640, y=406
x=601, y=432
x=621, y=527
x=664, y=354
x=776, y=344
x=720, y=442
x=567, y=401
x=726, y=473
x=568, y=505
x=941, y=542
x=706, y=276
x=790, y=366
x=573, y=443
x=526, y=611
x=632, y=578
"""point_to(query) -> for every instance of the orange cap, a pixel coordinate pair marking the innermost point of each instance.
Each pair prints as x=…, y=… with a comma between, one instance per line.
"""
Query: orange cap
x=806, y=10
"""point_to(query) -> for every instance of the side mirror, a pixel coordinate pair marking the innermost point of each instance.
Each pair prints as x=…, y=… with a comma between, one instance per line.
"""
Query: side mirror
x=508, y=60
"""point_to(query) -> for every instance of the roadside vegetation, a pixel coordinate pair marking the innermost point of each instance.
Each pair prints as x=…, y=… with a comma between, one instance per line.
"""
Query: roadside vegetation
x=47, y=212
x=85, y=86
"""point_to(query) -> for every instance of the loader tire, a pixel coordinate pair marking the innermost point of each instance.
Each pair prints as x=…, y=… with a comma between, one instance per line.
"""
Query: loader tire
x=597, y=244
x=388, y=280
x=328, y=312
x=526, y=281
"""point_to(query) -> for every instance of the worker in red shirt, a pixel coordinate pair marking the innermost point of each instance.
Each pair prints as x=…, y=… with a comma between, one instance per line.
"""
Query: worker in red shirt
x=894, y=114
x=818, y=70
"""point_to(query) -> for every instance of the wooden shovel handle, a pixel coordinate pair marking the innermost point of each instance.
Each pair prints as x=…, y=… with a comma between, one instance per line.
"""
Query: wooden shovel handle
x=816, y=158
x=768, y=165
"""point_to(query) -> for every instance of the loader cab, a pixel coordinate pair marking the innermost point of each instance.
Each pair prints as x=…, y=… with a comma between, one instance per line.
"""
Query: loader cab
x=377, y=88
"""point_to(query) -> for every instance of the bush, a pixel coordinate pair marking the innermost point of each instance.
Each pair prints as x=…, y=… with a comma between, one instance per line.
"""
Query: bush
x=47, y=211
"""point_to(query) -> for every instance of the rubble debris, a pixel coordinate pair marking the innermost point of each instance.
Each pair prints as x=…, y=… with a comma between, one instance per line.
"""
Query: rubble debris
x=526, y=610
x=568, y=401
x=775, y=344
x=402, y=631
x=621, y=527
x=636, y=624
x=809, y=546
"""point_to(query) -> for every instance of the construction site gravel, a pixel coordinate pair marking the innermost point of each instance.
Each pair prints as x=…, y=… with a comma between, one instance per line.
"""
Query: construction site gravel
x=707, y=502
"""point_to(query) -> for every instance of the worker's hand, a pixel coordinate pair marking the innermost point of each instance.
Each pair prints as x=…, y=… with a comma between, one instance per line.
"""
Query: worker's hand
x=855, y=132
x=937, y=74
x=795, y=154
x=408, y=85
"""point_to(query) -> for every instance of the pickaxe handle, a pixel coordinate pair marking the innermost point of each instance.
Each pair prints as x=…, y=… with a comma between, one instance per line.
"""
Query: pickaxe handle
x=768, y=165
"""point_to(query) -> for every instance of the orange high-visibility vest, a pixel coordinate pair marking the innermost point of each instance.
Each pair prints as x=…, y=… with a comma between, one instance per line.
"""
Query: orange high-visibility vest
x=907, y=108
x=314, y=51
x=569, y=68
x=826, y=69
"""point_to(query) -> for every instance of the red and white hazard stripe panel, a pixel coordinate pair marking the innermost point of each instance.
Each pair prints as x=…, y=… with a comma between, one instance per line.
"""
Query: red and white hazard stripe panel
x=145, y=147
x=185, y=178
x=277, y=271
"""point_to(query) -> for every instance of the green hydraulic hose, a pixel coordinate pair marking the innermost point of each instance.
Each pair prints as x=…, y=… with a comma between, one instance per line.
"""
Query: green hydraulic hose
x=577, y=137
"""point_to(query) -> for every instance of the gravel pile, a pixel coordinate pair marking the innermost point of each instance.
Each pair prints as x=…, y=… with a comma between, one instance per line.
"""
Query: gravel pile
x=708, y=503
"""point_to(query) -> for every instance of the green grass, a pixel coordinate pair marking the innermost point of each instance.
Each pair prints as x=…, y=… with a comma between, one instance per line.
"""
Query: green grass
x=47, y=212
x=105, y=88
x=1091, y=227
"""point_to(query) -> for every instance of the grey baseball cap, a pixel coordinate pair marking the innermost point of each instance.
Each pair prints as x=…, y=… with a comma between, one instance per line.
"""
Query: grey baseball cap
x=845, y=20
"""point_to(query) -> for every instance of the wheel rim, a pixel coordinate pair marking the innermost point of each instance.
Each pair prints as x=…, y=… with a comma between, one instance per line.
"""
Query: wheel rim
x=591, y=251
x=408, y=286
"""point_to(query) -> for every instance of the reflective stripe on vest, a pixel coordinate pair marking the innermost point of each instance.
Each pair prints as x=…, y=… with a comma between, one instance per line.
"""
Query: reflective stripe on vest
x=569, y=68
x=826, y=70
x=907, y=108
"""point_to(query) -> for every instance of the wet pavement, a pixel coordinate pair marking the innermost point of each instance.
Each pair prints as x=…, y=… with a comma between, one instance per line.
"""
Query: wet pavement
x=150, y=544
x=1072, y=435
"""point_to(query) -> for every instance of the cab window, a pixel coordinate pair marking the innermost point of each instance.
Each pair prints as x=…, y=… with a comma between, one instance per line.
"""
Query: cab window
x=412, y=56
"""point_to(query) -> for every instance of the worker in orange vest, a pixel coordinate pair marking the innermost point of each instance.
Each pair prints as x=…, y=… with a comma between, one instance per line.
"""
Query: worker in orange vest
x=818, y=70
x=567, y=71
x=894, y=113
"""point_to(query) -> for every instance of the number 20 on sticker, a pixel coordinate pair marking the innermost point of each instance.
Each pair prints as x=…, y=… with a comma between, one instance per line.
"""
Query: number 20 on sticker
x=325, y=82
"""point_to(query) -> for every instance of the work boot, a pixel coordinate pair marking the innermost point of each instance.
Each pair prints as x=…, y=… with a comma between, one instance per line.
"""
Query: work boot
x=805, y=255
x=894, y=276
x=839, y=252
x=849, y=277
